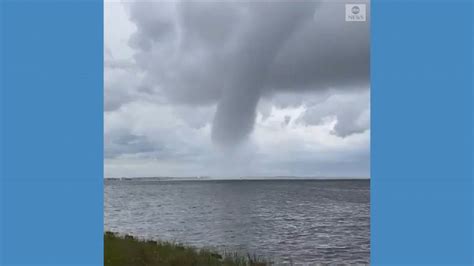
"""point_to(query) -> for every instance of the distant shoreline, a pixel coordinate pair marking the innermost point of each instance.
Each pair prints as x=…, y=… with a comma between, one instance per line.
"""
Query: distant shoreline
x=187, y=179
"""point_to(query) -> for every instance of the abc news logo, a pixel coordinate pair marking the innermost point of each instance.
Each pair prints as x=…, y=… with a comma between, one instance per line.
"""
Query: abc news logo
x=356, y=12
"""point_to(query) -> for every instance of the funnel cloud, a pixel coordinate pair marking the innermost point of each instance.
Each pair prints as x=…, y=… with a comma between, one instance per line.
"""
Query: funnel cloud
x=197, y=87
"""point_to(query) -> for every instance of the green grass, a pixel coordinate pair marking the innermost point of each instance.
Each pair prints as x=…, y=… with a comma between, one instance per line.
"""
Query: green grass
x=129, y=251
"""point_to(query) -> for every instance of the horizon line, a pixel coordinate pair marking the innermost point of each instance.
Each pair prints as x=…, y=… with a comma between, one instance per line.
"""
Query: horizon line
x=204, y=178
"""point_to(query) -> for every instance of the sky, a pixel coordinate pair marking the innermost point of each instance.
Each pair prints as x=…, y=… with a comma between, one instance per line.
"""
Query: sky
x=235, y=88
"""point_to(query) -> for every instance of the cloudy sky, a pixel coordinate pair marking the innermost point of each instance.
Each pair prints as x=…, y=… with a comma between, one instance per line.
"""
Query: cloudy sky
x=235, y=88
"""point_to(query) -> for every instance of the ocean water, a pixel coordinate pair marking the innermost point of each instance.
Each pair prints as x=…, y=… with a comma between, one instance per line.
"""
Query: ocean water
x=287, y=221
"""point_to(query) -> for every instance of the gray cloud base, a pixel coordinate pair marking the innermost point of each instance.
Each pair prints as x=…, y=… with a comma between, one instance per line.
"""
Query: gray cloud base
x=230, y=53
x=222, y=64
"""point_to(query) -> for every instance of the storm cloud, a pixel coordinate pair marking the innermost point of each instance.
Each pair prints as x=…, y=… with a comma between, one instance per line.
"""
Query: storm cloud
x=225, y=70
x=230, y=53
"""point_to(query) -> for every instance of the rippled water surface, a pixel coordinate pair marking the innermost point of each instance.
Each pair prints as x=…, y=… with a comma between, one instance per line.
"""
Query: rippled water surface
x=287, y=221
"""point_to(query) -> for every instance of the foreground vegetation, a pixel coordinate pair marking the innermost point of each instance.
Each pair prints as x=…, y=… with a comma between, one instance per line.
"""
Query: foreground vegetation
x=129, y=251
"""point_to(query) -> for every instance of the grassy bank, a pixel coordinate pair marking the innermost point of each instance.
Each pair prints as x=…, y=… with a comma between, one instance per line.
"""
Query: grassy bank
x=129, y=251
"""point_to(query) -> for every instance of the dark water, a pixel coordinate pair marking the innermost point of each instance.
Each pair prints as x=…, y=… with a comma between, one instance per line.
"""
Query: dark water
x=287, y=221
